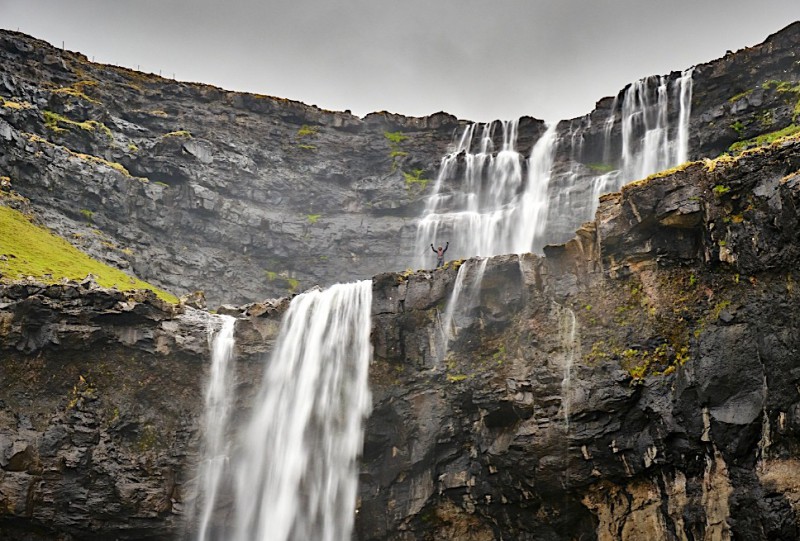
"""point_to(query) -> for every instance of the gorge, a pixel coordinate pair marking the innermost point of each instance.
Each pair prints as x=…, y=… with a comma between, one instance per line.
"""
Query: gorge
x=635, y=378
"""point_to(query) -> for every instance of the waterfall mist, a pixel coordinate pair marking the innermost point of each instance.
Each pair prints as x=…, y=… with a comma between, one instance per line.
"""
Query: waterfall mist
x=296, y=478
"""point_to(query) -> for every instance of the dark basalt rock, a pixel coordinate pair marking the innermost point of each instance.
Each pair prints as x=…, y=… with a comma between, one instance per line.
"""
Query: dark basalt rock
x=639, y=382
x=286, y=194
x=623, y=387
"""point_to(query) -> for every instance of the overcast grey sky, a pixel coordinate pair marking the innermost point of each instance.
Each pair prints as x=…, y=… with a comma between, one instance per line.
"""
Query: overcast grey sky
x=477, y=59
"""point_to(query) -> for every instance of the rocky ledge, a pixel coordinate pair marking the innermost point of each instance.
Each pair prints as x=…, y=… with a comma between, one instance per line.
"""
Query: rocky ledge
x=639, y=382
x=245, y=196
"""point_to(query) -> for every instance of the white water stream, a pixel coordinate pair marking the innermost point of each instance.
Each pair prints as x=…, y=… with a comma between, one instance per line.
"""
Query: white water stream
x=570, y=345
x=484, y=203
x=296, y=479
x=494, y=209
x=468, y=281
x=218, y=405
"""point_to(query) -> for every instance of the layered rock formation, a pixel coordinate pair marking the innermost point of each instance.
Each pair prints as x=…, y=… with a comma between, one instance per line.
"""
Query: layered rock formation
x=244, y=196
x=638, y=382
x=634, y=384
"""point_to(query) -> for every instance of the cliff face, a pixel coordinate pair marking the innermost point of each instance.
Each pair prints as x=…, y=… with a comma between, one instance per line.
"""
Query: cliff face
x=239, y=195
x=245, y=196
x=638, y=382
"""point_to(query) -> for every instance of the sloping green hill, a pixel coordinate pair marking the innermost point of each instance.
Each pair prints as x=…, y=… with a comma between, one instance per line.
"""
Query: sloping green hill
x=29, y=250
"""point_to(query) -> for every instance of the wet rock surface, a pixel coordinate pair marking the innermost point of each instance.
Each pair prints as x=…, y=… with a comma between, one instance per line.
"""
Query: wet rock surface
x=246, y=196
x=639, y=382
x=623, y=387
x=643, y=392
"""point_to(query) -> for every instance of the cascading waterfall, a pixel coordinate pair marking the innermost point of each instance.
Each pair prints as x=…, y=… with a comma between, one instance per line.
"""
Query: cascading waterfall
x=494, y=210
x=649, y=143
x=569, y=344
x=297, y=476
x=218, y=405
x=468, y=280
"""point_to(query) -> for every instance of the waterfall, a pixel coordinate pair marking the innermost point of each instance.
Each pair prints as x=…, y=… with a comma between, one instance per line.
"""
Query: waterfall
x=569, y=344
x=528, y=232
x=218, y=405
x=649, y=143
x=685, y=101
x=297, y=476
x=489, y=206
x=653, y=117
x=494, y=209
x=468, y=279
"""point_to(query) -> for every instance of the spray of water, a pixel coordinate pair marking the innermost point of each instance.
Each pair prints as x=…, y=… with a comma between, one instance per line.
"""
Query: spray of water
x=495, y=208
x=297, y=477
x=218, y=405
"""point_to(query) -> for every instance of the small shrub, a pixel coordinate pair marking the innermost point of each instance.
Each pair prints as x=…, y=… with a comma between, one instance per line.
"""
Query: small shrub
x=180, y=133
x=395, y=137
x=88, y=214
x=307, y=131
x=720, y=190
x=414, y=178
x=312, y=218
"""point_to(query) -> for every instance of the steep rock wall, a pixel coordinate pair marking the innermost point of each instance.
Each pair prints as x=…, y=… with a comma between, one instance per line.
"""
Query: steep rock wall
x=245, y=196
x=640, y=381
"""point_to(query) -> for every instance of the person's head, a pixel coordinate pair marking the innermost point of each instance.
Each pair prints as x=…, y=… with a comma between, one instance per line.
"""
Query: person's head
x=440, y=247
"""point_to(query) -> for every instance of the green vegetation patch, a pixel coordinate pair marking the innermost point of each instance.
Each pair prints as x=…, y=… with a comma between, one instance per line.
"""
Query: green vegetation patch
x=765, y=139
x=54, y=122
x=791, y=89
x=100, y=161
x=14, y=104
x=414, y=178
x=740, y=95
x=77, y=90
x=180, y=133
x=29, y=250
x=395, y=137
x=312, y=218
x=601, y=168
x=660, y=174
x=720, y=190
x=307, y=131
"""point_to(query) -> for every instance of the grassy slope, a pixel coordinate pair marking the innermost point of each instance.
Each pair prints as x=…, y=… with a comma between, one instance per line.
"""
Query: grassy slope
x=30, y=250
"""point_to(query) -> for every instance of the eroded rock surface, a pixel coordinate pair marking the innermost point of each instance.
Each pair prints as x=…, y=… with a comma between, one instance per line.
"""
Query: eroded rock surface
x=639, y=382
x=246, y=196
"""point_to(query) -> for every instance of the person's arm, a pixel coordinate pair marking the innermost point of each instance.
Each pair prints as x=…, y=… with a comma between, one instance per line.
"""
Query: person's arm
x=446, y=246
x=434, y=249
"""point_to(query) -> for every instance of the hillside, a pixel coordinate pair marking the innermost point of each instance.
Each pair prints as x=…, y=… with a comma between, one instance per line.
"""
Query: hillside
x=247, y=196
x=639, y=380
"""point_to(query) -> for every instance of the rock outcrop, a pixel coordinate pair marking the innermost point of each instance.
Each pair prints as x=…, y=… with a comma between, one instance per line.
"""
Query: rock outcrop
x=246, y=196
x=638, y=382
